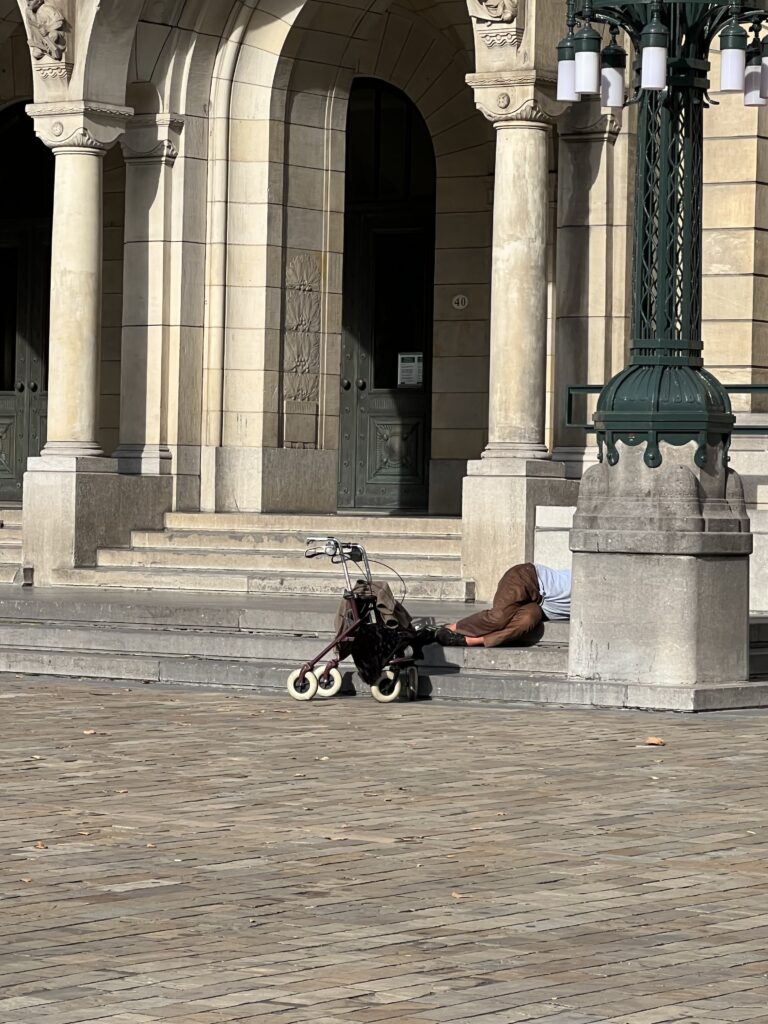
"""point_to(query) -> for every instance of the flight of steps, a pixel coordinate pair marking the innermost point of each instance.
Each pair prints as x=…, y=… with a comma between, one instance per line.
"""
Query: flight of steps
x=247, y=553
x=239, y=643
x=10, y=545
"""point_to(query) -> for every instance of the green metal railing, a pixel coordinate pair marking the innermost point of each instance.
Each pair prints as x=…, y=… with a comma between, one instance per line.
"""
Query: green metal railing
x=732, y=389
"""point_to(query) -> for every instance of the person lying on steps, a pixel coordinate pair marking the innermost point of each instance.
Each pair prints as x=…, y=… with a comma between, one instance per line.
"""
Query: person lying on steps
x=527, y=594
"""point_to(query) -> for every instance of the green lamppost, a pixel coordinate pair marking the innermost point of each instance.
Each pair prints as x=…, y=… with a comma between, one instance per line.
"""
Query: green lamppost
x=665, y=393
x=661, y=538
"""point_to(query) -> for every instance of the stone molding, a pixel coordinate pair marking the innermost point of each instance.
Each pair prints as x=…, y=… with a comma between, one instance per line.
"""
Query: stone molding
x=606, y=128
x=154, y=138
x=79, y=126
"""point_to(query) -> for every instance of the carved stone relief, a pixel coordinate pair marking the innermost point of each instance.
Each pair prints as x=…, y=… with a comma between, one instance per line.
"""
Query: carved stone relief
x=46, y=30
x=301, y=359
x=493, y=10
x=496, y=22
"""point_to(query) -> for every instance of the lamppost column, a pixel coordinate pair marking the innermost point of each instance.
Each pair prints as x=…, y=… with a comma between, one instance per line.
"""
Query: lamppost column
x=518, y=349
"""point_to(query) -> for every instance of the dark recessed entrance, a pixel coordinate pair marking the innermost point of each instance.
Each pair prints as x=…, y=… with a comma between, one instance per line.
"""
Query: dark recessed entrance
x=26, y=205
x=389, y=242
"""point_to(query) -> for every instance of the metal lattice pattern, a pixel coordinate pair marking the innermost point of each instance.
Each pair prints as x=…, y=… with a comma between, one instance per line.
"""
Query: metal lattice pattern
x=667, y=312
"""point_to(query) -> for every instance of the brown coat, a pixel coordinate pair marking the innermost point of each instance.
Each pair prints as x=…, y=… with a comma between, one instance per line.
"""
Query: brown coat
x=516, y=609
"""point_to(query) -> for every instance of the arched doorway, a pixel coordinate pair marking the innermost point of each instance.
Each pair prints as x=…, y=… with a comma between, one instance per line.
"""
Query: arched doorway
x=389, y=242
x=26, y=209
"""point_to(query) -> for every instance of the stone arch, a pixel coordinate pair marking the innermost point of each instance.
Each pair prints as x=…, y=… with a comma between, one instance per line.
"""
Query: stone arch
x=290, y=89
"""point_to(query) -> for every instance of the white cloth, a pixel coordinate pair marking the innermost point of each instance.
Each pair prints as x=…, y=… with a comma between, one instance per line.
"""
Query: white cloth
x=555, y=589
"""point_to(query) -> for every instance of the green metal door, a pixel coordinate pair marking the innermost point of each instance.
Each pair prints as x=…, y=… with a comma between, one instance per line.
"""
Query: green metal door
x=389, y=241
x=24, y=303
x=386, y=360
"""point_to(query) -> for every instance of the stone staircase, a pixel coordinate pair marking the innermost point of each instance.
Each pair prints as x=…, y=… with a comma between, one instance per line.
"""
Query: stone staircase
x=264, y=554
x=238, y=642
x=252, y=642
x=10, y=545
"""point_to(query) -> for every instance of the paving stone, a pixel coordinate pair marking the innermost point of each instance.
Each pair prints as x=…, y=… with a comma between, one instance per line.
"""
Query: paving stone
x=191, y=857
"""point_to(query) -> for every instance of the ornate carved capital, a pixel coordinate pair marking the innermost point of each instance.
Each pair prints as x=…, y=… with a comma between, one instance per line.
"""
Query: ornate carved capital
x=153, y=138
x=77, y=125
x=506, y=99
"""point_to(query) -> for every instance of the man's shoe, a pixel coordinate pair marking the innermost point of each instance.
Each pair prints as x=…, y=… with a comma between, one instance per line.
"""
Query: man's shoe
x=448, y=638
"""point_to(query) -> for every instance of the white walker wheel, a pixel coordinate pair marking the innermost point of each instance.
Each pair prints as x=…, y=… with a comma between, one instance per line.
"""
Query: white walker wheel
x=304, y=689
x=329, y=682
x=388, y=688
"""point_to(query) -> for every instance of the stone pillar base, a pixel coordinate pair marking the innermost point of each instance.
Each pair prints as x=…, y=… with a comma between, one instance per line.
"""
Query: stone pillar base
x=276, y=480
x=150, y=459
x=661, y=582
x=74, y=506
x=499, y=510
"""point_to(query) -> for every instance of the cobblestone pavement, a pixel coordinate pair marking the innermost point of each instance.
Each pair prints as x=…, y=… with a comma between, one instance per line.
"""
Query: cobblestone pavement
x=198, y=858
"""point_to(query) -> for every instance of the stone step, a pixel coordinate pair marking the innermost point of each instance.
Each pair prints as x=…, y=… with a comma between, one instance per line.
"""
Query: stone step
x=162, y=642
x=233, y=612
x=262, y=677
x=10, y=548
x=268, y=561
x=377, y=544
x=10, y=517
x=213, y=581
x=10, y=572
x=346, y=527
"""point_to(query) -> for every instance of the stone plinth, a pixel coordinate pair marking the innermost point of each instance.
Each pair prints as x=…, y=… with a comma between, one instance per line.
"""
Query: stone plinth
x=499, y=513
x=661, y=576
x=74, y=506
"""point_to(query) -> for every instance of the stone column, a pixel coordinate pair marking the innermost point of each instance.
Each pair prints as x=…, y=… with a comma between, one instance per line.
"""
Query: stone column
x=74, y=500
x=518, y=358
x=76, y=262
x=515, y=472
x=150, y=148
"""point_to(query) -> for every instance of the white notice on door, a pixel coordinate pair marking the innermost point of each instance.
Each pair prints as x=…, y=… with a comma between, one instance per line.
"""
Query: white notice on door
x=410, y=369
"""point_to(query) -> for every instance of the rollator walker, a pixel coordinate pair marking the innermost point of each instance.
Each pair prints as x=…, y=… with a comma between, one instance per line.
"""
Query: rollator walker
x=373, y=628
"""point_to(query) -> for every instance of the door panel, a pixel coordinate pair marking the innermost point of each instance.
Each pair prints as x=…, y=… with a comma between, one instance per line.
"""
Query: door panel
x=12, y=401
x=24, y=303
x=385, y=410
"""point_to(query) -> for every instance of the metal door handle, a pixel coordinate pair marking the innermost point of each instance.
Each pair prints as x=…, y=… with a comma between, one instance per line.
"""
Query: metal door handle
x=20, y=386
x=361, y=385
x=33, y=385
x=346, y=384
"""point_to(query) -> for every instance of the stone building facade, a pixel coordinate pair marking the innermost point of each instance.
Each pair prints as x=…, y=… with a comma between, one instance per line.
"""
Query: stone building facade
x=321, y=256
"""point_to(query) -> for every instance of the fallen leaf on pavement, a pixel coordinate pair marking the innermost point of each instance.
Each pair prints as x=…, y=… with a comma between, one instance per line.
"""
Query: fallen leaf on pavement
x=89, y=732
x=460, y=895
x=25, y=880
x=655, y=741
x=40, y=845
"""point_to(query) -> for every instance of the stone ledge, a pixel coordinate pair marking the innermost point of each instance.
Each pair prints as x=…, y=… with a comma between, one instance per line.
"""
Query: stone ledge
x=653, y=542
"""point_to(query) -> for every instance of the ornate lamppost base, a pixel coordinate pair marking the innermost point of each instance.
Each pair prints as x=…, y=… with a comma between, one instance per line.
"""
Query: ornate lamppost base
x=661, y=576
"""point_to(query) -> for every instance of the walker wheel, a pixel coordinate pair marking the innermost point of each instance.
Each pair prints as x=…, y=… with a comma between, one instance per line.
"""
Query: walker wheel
x=412, y=683
x=388, y=687
x=329, y=682
x=302, y=688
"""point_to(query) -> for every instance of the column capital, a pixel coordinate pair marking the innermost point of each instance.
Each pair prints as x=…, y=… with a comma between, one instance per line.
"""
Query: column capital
x=513, y=100
x=153, y=138
x=78, y=125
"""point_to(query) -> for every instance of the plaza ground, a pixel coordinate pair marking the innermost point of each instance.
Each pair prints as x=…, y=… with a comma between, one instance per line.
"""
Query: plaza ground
x=189, y=856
